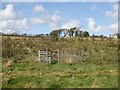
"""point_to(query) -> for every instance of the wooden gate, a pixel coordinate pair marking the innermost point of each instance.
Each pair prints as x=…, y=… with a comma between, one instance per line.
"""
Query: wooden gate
x=48, y=56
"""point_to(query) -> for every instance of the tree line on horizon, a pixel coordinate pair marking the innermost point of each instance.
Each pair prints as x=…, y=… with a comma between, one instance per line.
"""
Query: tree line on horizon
x=59, y=33
x=70, y=33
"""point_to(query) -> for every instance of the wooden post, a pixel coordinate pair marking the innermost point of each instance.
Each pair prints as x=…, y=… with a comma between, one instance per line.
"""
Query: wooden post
x=46, y=56
x=58, y=55
x=49, y=57
x=39, y=55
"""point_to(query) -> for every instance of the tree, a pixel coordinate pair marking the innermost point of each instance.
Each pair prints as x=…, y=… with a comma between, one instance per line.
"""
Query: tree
x=59, y=31
x=101, y=36
x=93, y=35
x=72, y=31
x=66, y=32
x=86, y=34
x=54, y=35
x=76, y=33
x=24, y=35
x=80, y=33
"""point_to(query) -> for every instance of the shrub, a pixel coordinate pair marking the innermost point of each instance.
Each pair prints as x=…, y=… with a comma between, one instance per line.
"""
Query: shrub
x=54, y=62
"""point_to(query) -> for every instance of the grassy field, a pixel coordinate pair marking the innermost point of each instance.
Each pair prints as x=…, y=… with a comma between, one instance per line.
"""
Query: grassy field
x=42, y=75
x=93, y=72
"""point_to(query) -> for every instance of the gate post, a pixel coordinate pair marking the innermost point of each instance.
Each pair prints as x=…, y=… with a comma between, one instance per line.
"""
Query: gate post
x=39, y=55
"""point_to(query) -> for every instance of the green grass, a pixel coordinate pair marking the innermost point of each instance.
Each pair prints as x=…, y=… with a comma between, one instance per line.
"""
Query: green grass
x=61, y=75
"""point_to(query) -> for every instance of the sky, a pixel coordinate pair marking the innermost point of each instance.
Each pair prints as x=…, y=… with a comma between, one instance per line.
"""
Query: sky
x=43, y=17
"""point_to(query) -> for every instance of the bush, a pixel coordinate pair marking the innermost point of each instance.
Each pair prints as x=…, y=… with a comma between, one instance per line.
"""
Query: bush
x=54, y=62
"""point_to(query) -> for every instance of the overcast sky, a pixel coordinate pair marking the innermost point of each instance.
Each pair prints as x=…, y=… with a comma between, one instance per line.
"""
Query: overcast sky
x=43, y=17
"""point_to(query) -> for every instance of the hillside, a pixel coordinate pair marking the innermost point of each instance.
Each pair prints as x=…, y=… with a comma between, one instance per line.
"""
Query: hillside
x=97, y=67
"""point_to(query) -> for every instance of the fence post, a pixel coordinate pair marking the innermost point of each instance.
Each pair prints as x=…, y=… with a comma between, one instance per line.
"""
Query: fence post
x=58, y=55
x=49, y=57
x=46, y=56
x=39, y=55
